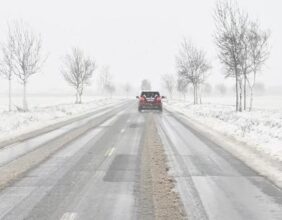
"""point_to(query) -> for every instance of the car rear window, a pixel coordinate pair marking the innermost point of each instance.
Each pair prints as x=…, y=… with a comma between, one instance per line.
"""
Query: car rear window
x=150, y=94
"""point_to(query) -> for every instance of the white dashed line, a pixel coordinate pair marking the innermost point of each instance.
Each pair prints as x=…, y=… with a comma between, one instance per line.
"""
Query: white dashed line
x=122, y=131
x=107, y=152
x=111, y=151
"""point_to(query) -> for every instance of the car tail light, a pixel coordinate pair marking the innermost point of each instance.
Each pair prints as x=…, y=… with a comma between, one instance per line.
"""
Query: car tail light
x=142, y=99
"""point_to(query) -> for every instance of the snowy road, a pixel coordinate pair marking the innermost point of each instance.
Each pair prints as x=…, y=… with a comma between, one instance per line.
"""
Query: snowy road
x=97, y=176
x=213, y=184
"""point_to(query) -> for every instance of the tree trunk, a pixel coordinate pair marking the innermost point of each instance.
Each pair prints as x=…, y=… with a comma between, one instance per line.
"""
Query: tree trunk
x=77, y=97
x=245, y=91
x=200, y=94
x=237, y=93
x=240, y=98
x=25, y=107
x=10, y=94
x=251, y=99
x=195, y=94
x=252, y=93
x=80, y=95
x=80, y=98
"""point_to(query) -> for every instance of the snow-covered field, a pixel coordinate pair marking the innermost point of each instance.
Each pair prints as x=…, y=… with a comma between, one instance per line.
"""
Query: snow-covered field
x=260, y=129
x=43, y=112
x=42, y=101
x=260, y=102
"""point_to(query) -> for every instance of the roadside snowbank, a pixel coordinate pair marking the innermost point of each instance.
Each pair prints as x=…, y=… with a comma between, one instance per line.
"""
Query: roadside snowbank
x=16, y=123
x=261, y=130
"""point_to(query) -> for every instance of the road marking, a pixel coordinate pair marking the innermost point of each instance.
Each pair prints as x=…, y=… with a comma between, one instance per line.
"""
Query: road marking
x=69, y=216
x=111, y=151
x=107, y=152
x=122, y=130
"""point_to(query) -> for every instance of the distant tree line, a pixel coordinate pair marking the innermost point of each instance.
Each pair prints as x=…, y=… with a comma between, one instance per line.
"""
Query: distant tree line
x=146, y=85
x=242, y=45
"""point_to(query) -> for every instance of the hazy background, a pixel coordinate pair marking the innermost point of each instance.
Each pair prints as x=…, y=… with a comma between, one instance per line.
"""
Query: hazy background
x=137, y=39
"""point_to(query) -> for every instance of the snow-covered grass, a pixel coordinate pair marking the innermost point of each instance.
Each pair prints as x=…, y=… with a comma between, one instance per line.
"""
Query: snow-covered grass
x=260, y=129
x=43, y=101
x=260, y=102
x=43, y=112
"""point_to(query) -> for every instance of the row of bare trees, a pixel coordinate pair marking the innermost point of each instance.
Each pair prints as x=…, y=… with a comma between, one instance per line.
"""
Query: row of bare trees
x=243, y=48
x=21, y=57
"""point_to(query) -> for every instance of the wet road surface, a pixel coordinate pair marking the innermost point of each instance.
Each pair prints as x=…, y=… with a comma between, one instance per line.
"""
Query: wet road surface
x=97, y=176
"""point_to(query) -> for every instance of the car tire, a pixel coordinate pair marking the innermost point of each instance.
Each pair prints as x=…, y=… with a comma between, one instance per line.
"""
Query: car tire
x=140, y=109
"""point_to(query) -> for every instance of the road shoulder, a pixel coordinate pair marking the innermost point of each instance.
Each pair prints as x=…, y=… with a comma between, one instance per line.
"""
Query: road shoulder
x=263, y=164
x=51, y=126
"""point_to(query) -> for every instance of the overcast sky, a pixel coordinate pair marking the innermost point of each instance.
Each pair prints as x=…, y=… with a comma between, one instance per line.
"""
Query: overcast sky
x=137, y=39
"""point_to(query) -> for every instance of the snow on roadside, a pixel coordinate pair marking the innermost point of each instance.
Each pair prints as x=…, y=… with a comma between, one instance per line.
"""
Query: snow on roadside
x=259, y=129
x=16, y=123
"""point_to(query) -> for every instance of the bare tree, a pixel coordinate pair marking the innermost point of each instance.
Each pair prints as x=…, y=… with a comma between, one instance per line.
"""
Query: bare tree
x=243, y=48
x=221, y=88
x=110, y=89
x=78, y=71
x=230, y=35
x=105, y=79
x=26, y=54
x=259, y=51
x=127, y=88
x=169, y=83
x=192, y=66
x=7, y=65
x=146, y=85
x=182, y=86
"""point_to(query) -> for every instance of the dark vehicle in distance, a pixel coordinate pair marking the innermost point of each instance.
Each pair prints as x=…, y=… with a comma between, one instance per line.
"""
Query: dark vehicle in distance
x=150, y=100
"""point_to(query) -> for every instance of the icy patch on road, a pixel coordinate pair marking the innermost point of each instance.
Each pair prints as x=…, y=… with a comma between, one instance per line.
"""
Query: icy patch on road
x=259, y=129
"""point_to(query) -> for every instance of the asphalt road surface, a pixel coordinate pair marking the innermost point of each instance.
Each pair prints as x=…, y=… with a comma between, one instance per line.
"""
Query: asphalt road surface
x=97, y=176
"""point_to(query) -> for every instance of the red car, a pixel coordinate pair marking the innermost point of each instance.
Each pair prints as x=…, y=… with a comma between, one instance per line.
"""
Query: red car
x=150, y=100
